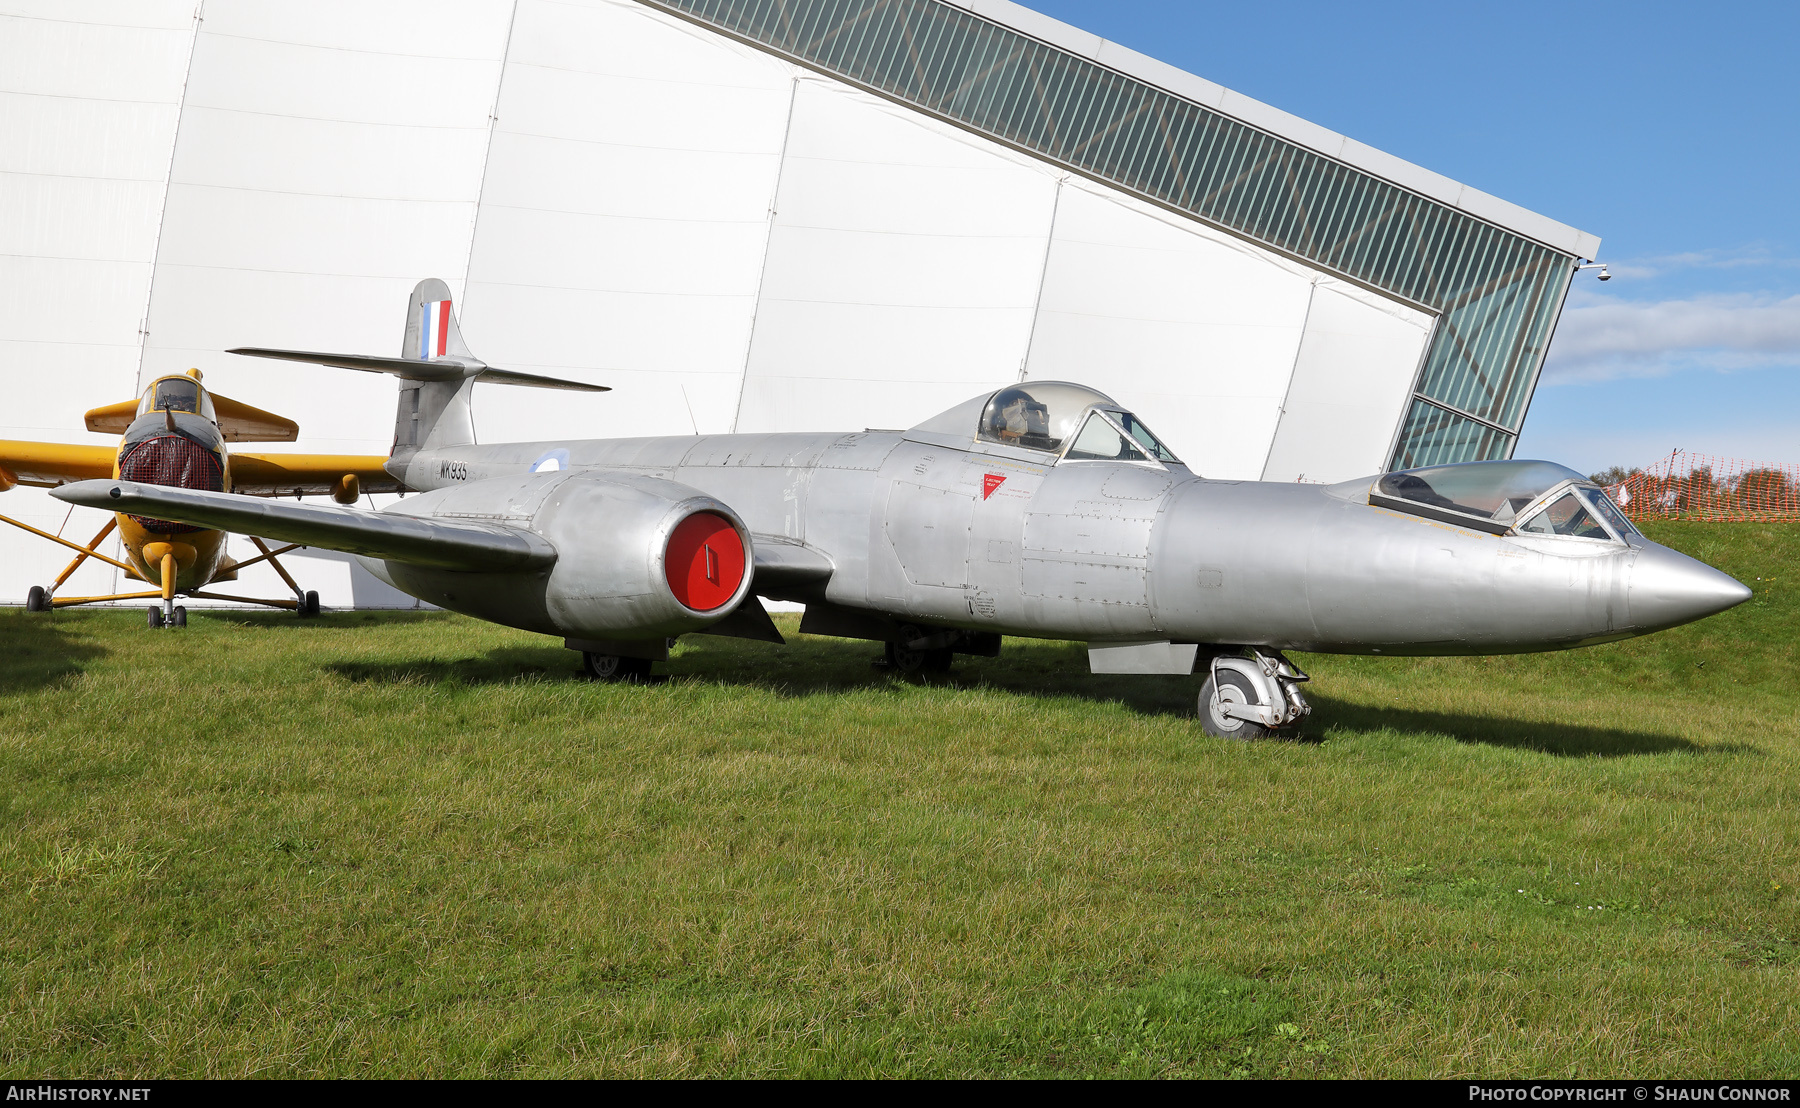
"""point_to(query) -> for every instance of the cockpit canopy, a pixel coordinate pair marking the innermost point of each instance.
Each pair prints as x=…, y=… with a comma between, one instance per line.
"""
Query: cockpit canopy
x=1055, y=417
x=176, y=394
x=1539, y=498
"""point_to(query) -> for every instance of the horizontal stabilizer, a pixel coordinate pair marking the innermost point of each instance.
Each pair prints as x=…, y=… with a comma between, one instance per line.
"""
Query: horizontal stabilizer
x=448, y=368
x=436, y=543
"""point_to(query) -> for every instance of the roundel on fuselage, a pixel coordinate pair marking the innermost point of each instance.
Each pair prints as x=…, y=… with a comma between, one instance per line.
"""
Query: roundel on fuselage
x=704, y=561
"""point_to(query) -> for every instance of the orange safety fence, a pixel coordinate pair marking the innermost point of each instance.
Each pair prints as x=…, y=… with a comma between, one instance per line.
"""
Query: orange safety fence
x=1705, y=487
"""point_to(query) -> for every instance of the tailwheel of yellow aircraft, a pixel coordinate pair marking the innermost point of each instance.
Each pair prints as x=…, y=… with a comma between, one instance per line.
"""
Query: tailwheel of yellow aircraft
x=615, y=667
x=37, y=600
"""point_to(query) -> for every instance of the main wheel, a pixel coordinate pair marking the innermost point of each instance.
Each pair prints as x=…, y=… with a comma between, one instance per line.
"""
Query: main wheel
x=180, y=619
x=615, y=667
x=309, y=606
x=153, y=618
x=1223, y=688
x=37, y=600
x=908, y=660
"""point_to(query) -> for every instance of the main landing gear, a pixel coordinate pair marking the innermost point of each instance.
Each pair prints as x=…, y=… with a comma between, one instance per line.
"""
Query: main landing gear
x=918, y=651
x=615, y=667
x=161, y=558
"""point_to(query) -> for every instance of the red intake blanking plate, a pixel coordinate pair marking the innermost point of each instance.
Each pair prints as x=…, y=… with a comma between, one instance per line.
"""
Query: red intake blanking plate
x=704, y=561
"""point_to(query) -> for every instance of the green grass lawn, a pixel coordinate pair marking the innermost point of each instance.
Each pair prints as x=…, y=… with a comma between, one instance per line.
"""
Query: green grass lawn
x=420, y=845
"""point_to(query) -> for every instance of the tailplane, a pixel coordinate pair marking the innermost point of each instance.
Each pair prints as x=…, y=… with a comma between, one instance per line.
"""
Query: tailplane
x=437, y=373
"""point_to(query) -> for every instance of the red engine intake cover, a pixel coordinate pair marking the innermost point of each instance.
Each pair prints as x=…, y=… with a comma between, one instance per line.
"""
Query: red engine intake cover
x=704, y=561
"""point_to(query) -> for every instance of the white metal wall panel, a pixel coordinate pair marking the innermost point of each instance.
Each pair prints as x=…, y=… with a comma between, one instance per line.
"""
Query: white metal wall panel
x=1193, y=329
x=623, y=221
x=1351, y=385
x=902, y=272
x=89, y=97
x=326, y=162
x=329, y=156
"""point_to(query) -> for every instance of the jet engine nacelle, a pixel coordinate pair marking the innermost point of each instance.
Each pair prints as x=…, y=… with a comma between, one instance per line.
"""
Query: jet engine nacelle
x=637, y=557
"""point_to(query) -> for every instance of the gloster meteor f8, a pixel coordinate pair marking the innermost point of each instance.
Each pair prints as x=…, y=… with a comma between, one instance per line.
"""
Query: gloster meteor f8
x=1041, y=509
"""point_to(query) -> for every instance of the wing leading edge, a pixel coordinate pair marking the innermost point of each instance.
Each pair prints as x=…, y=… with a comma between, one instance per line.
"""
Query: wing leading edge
x=436, y=543
x=48, y=464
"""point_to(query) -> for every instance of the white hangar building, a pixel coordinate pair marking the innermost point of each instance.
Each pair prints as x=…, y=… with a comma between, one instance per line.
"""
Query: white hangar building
x=752, y=215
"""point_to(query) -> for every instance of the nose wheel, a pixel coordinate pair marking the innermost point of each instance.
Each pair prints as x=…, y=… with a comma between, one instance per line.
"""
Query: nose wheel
x=1221, y=692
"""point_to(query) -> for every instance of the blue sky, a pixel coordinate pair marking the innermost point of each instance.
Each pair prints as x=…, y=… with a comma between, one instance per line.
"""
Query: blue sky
x=1671, y=131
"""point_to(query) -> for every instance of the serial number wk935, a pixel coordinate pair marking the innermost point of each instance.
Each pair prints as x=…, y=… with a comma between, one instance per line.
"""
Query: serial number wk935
x=453, y=471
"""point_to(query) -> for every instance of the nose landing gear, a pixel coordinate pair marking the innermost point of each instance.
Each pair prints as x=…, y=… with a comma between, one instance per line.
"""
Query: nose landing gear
x=1252, y=697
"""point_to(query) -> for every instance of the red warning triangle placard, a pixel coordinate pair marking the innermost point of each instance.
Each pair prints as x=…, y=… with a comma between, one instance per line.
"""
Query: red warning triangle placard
x=990, y=482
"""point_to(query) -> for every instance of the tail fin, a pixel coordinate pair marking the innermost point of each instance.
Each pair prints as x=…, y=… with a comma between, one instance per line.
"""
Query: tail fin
x=431, y=330
x=437, y=371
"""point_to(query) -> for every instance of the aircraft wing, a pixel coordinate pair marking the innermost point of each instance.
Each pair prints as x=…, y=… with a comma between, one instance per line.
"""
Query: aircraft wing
x=296, y=474
x=437, y=543
x=49, y=464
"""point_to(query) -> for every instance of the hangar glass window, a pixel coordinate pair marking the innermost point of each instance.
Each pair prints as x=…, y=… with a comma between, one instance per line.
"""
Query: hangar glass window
x=1486, y=495
x=1037, y=416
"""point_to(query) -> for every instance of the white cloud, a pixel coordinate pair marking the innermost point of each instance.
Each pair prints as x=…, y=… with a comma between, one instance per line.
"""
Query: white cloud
x=1600, y=337
x=1660, y=265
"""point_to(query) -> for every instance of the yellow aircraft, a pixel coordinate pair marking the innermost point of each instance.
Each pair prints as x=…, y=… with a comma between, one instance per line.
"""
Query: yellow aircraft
x=175, y=435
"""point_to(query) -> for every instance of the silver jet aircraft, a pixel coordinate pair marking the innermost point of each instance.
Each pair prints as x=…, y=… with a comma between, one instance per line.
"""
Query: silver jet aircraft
x=1043, y=509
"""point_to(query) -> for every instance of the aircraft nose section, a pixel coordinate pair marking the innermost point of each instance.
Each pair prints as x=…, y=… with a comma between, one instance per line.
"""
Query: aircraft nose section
x=1668, y=589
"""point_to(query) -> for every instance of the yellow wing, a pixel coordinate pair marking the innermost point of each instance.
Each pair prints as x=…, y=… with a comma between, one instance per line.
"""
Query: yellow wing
x=49, y=464
x=298, y=474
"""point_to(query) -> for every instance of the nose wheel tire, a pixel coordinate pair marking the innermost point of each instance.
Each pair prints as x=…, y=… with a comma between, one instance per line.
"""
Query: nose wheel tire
x=153, y=618
x=615, y=667
x=1224, y=688
x=180, y=619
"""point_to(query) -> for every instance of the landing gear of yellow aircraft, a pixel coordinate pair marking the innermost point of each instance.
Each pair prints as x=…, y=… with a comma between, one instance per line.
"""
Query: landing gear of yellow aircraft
x=167, y=613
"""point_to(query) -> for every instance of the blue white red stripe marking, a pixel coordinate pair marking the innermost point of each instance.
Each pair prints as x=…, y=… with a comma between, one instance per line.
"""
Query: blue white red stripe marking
x=434, y=328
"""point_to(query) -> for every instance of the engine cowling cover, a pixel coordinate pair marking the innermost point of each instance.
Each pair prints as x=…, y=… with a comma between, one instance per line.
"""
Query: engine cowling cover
x=638, y=557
